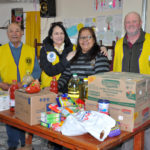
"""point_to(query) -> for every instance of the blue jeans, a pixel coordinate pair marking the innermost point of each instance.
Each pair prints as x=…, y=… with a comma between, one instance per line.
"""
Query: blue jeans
x=14, y=135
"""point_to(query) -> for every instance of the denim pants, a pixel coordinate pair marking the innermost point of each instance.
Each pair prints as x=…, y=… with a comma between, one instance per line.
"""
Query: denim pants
x=14, y=135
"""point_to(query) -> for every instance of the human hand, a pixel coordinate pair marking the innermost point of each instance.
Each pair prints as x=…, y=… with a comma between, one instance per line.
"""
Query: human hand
x=4, y=86
x=19, y=85
x=104, y=51
x=71, y=55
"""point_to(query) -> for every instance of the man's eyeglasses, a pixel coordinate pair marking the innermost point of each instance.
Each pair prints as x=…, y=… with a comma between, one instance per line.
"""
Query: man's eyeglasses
x=85, y=37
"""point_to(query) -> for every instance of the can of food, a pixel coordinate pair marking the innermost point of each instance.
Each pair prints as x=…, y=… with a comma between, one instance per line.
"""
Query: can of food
x=103, y=105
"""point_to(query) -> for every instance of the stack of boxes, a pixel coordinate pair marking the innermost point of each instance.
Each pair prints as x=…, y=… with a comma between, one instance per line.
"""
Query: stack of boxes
x=128, y=93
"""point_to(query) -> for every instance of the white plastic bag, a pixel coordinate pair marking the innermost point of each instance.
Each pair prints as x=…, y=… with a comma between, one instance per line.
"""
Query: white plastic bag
x=92, y=122
x=72, y=127
x=98, y=125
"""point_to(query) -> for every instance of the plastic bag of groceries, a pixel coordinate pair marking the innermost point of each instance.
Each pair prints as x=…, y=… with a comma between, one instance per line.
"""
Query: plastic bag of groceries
x=95, y=123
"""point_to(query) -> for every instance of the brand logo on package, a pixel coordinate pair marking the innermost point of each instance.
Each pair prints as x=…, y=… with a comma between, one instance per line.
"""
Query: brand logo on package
x=126, y=111
x=111, y=83
x=145, y=112
x=45, y=99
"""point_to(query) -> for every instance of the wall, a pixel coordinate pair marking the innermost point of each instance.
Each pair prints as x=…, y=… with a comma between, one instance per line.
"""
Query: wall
x=72, y=9
x=131, y=5
x=67, y=9
x=5, y=17
x=148, y=17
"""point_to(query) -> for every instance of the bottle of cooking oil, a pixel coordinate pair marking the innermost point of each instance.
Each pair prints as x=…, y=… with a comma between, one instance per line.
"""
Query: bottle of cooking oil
x=73, y=87
x=85, y=88
x=27, y=79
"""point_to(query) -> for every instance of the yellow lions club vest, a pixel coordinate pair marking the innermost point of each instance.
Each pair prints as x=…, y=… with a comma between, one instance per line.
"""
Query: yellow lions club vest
x=8, y=68
x=144, y=59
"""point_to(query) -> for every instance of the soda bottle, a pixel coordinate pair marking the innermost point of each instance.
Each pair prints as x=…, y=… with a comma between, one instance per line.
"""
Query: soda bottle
x=12, y=89
x=54, y=85
x=85, y=88
x=73, y=87
x=27, y=79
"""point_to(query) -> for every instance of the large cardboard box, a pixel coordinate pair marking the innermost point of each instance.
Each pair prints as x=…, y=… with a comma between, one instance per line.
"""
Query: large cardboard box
x=117, y=87
x=131, y=118
x=128, y=94
x=28, y=107
x=4, y=100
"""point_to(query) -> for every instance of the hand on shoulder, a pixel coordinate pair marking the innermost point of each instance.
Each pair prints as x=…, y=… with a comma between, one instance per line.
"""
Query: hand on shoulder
x=71, y=55
x=104, y=51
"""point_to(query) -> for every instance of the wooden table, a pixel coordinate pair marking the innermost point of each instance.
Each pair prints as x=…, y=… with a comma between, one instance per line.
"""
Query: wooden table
x=83, y=142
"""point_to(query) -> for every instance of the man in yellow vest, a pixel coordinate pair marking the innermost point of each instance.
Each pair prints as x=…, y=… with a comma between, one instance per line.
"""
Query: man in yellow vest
x=15, y=59
x=132, y=54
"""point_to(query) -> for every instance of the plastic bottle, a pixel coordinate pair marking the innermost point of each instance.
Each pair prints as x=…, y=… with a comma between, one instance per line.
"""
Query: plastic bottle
x=27, y=79
x=12, y=89
x=54, y=85
x=73, y=87
x=85, y=88
x=81, y=90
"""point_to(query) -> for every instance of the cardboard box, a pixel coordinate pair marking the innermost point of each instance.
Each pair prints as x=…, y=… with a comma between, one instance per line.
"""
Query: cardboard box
x=117, y=87
x=131, y=118
x=4, y=100
x=91, y=105
x=128, y=93
x=28, y=107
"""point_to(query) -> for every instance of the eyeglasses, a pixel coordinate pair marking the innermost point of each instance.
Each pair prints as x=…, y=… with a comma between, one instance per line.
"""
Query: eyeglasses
x=85, y=37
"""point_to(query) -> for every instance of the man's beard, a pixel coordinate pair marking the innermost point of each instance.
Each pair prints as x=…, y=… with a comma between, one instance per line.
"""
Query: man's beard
x=133, y=33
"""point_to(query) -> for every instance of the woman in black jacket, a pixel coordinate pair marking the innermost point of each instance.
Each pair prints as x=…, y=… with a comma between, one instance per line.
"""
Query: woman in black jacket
x=55, y=54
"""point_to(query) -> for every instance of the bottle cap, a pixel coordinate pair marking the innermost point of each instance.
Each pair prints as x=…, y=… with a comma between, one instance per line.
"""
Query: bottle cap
x=74, y=74
x=104, y=101
x=85, y=79
x=27, y=71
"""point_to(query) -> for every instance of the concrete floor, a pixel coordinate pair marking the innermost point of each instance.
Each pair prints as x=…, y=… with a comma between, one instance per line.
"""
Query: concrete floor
x=37, y=142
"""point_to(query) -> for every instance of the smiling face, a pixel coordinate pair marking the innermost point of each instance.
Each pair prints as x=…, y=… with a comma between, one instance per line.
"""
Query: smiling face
x=132, y=24
x=58, y=36
x=86, y=41
x=14, y=34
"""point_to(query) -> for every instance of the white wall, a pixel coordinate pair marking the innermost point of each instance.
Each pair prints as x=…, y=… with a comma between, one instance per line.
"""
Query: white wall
x=72, y=9
x=78, y=8
x=5, y=16
x=67, y=9
x=131, y=5
x=148, y=17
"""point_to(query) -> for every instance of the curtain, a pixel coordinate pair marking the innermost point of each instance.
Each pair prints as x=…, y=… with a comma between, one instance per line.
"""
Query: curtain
x=33, y=28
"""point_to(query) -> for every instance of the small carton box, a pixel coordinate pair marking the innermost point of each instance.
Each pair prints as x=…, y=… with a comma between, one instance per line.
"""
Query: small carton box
x=4, y=100
x=117, y=87
x=28, y=107
x=131, y=118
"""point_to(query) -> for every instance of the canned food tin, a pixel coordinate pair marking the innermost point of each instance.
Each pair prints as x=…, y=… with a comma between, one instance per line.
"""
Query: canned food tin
x=103, y=105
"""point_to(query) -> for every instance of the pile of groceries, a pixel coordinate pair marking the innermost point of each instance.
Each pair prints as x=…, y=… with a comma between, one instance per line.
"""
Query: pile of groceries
x=70, y=110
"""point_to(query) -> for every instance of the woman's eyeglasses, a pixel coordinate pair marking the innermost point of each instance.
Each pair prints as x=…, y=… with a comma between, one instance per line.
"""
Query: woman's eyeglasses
x=85, y=37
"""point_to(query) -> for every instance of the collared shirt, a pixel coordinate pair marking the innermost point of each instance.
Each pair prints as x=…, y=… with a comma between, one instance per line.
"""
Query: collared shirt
x=16, y=54
x=132, y=53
